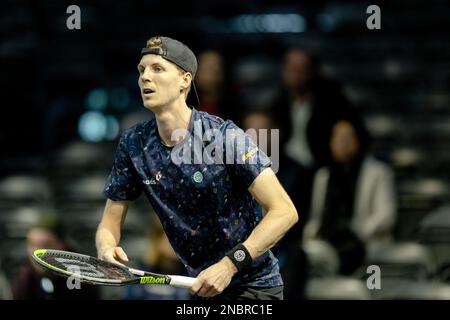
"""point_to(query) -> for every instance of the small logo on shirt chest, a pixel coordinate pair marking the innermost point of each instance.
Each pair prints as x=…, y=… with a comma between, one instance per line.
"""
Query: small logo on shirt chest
x=153, y=180
x=198, y=177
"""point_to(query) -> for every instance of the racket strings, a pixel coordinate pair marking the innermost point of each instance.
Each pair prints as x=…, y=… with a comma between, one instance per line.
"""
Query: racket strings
x=88, y=267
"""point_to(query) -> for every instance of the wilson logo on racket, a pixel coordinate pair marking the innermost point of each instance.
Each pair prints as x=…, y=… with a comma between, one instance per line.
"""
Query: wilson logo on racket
x=154, y=280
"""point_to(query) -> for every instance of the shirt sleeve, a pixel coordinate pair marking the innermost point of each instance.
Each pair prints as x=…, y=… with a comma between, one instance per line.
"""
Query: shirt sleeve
x=123, y=182
x=244, y=160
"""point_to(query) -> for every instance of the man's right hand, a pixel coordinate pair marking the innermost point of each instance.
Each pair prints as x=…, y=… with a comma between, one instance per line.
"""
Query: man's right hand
x=114, y=255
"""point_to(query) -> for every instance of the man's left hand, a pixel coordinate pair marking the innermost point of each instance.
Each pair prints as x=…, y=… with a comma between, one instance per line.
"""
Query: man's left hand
x=213, y=280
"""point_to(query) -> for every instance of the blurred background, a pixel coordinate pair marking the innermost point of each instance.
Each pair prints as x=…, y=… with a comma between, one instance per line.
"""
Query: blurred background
x=364, y=117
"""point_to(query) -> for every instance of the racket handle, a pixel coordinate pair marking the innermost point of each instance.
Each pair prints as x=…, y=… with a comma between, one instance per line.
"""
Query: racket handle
x=181, y=281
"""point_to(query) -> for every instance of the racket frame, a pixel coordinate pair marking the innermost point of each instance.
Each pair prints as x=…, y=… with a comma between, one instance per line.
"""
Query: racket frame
x=136, y=276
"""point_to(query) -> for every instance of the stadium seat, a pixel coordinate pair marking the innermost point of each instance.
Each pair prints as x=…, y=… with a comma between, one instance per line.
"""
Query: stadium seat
x=435, y=227
x=406, y=156
x=24, y=190
x=16, y=222
x=337, y=288
x=432, y=187
x=82, y=155
x=403, y=260
x=322, y=258
x=434, y=232
x=77, y=160
x=80, y=194
x=80, y=225
x=411, y=290
x=135, y=247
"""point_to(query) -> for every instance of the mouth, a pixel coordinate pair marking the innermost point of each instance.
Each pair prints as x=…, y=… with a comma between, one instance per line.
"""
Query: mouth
x=147, y=91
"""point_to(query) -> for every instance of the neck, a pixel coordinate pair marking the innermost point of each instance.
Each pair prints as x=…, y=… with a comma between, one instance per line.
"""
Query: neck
x=171, y=118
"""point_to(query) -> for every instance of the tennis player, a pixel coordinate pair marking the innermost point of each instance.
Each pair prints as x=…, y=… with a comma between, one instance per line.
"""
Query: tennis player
x=212, y=213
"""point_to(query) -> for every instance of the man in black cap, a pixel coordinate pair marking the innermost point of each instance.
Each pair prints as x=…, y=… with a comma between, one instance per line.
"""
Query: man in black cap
x=211, y=211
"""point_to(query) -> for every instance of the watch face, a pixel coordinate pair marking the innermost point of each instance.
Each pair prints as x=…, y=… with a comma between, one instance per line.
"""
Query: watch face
x=239, y=255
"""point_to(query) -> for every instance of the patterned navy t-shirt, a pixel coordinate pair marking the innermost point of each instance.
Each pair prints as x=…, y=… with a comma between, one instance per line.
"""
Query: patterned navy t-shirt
x=202, y=199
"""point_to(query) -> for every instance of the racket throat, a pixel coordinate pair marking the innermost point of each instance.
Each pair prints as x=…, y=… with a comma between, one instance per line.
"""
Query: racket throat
x=137, y=272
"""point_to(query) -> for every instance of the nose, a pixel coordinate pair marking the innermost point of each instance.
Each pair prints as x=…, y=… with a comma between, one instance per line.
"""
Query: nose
x=145, y=76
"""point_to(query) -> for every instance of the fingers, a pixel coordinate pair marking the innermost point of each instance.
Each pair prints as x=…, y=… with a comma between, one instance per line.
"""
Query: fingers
x=196, y=286
x=213, y=280
x=114, y=255
x=109, y=256
x=204, y=287
x=121, y=254
x=210, y=290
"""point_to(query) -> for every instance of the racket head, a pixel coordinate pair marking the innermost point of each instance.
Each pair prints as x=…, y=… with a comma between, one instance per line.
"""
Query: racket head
x=86, y=268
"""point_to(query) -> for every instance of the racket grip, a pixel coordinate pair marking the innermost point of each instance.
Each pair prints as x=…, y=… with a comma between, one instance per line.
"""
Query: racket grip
x=181, y=281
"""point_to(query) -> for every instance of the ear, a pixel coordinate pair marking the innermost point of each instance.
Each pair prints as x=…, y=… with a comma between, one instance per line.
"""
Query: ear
x=186, y=80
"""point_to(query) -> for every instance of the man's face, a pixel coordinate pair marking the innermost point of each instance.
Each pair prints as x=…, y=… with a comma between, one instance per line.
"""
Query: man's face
x=344, y=142
x=210, y=74
x=38, y=238
x=160, y=81
x=297, y=71
x=259, y=121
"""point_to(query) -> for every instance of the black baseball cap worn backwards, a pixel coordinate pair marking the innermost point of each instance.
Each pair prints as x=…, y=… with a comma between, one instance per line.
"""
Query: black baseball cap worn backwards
x=176, y=52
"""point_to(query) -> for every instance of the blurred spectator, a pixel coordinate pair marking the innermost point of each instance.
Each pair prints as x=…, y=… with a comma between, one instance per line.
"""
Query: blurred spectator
x=159, y=258
x=353, y=204
x=306, y=107
x=296, y=181
x=33, y=282
x=212, y=87
x=294, y=178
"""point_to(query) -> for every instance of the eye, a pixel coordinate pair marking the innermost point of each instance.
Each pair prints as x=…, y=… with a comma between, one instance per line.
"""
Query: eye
x=157, y=68
x=141, y=69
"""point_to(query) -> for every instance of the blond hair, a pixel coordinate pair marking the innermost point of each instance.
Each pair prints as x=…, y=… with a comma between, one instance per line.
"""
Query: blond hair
x=156, y=42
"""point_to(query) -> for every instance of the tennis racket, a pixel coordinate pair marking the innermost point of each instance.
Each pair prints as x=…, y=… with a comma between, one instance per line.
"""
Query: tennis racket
x=95, y=271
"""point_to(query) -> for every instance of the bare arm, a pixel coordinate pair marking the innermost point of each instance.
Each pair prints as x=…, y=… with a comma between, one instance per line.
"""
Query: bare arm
x=280, y=217
x=108, y=232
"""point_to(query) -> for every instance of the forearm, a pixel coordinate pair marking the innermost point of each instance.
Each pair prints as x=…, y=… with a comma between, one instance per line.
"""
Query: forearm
x=265, y=235
x=270, y=230
x=108, y=232
x=106, y=237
